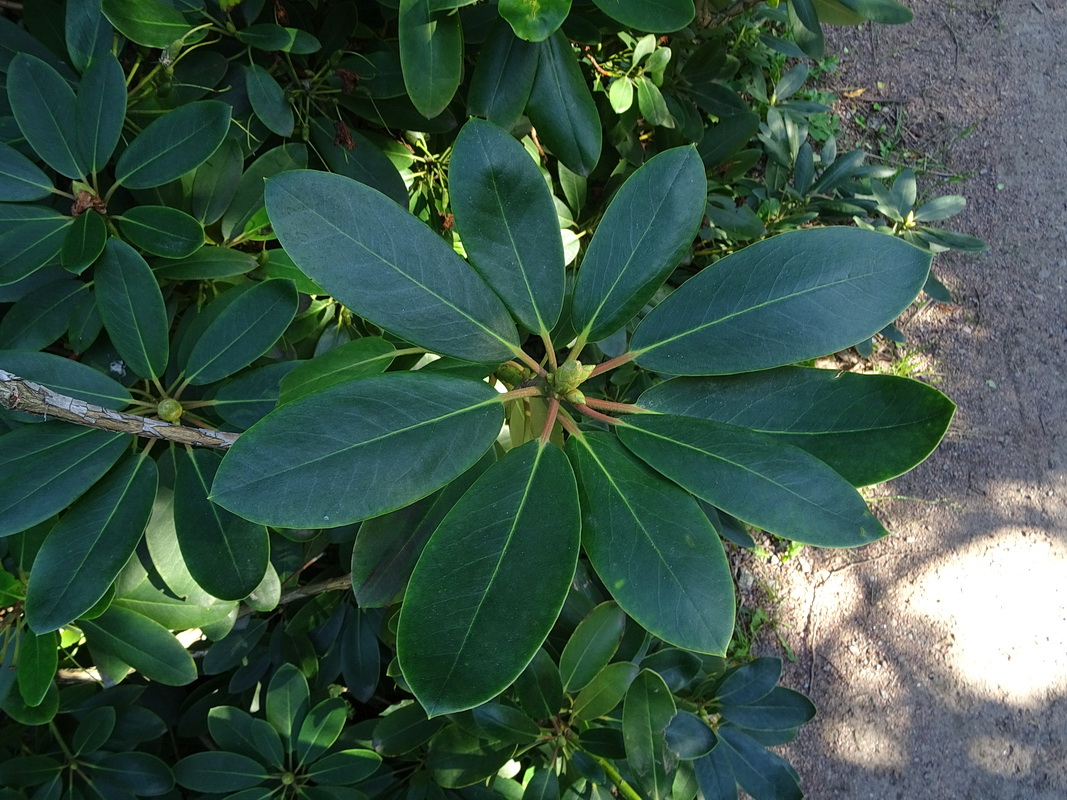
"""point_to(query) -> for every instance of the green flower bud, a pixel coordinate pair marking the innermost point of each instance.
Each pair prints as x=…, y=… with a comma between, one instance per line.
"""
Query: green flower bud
x=170, y=410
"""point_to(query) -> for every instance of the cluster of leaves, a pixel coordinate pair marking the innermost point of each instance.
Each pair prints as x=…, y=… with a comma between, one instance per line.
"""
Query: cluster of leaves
x=276, y=220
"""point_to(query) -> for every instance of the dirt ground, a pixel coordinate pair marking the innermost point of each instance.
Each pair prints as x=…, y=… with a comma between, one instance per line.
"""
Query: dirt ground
x=938, y=656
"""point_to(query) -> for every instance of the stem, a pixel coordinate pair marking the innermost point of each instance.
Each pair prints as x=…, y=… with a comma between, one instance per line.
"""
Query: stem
x=568, y=424
x=550, y=421
x=518, y=394
x=528, y=360
x=625, y=789
x=550, y=350
x=579, y=345
x=618, y=408
x=581, y=408
x=618, y=361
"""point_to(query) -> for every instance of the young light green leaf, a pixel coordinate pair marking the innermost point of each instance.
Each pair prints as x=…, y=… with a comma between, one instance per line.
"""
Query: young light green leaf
x=131, y=306
x=621, y=95
x=507, y=221
x=146, y=22
x=653, y=547
x=100, y=111
x=268, y=101
x=792, y=297
x=45, y=467
x=161, y=231
x=84, y=553
x=661, y=16
x=777, y=487
x=503, y=77
x=175, y=143
x=226, y=555
x=83, y=242
x=644, y=233
x=651, y=103
x=20, y=179
x=458, y=641
x=868, y=428
x=562, y=108
x=591, y=646
x=534, y=22
x=395, y=272
x=368, y=355
x=368, y=447
x=431, y=55
x=43, y=105
x=244, y=331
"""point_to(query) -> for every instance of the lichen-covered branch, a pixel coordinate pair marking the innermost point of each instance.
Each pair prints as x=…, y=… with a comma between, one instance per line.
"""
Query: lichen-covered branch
x=18, y=394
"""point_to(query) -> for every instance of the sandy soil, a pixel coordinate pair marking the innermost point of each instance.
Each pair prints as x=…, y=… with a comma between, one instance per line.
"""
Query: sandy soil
x=938, y=656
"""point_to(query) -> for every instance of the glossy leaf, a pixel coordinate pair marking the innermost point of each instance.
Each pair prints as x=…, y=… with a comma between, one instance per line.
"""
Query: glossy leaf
x=543, y=785
x=88, y=33
x=31, y=770
x=42, y=316
x=175, y=143
x=605, y=691
x=100, y=111
x=162, y=231
x=219, y=771
x=760, y=772
x=368, y=355
x=504, y=723
x=248, y=200
x=206, y=264
x=403, y=729
x=868, y=428
x=750, y=682
x=649, y=226
x=457, y=640
x=431, y=55
x=781, y=709
x=344, y=767
x=237, y=731
x=268, y=101
x=715, y=776
x=661, y=16
x=689, y=737
x=362, y=162
x=146, y=22
x=140, y=773
x=507, y=221
x=43, y=105
x=360, y=655
x=93, y=731
x=20, y=179
x=44, y=712
x=320, y=729
x=225, y=554
x=173, y=613
x=131, y=306
x=456, y=758
x=534, y=22
x=395, y=272
x=503, y=77
x=83, y=242
x=539, y=688
x=45, y=467
x=84, y=553
x=243, y=332
x=37, y=662
x=769, y=484
x=288, y=700
x=270, y=37
x=145, y=645
x=28, y=246
x=591, y=646
x=652, y=547
x=796, y=296
x=215, y=182
x=562, y=108
x=646, y=712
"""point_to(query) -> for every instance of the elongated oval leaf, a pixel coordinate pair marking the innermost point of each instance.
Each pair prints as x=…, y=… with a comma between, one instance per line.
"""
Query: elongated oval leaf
x=459, y=640
x=503, y=77
x=237, y=731
x=431, y=55
x=780, y=710
x=646, y=712
x=534, y=22
x=868, y=428
x=654, y=16
x=268, y=101
x=178, y=142
x=760, y=772
x=653, y=547
x=219, y=771
x=145, y=645
x=796, y=296
x=245, y=400
x=756, y=478
x=320, y=729
x=29, y=246
x=84, y=553
x=562, y=108
x=344, y=767
x=162, y=231
x=43, y=105
x=644, y=233
x=67, y=377
x=248, y=200
x=44, y=468
x=591, y=646
x=388, y=267
x=42, y=316
x=288, y=700
x=507, y=221
x=37, y=662
x=206, y=264
x=368, y=355
x=88, y=33
x=100, y=111
x=367, y=447
x=243, y=332
x=135, y=773
x=226, y=555
x=361, y=160
x=83, y=242
x=131, y=306
x=605, y=691
x=215, y=182
x=146, y=22
x=20, y=179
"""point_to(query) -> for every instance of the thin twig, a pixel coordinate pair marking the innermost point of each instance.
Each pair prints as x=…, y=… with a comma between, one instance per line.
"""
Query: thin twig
x=17, y=394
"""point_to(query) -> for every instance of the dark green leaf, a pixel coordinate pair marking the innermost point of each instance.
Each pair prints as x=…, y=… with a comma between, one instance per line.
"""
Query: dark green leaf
x=506, y=219
x=89, y=546
x=162, y=231
x=403, y=729
x=591, y=646
x=888, y=12
x=781, y=709
x=646, y=712
x=368, y=355
x=207, y=263
x=131, y=306
x=715, y=776
x=177, y=142
x=431, y=54
x=36, y=661
x=951, y=240
x=44, y=468
x=396, y=273
x=777, y=487
x=562, y=108
x=248, y=201
x=457, y=640
x=43, y=105
x=503, y=77
x=237, y=731
x=362, y=161
x=655, y=16
x=796, y=296
x=320, y=729
x=42, y=316
x=456, y=758
x=504, y=723
x=344, y=767
x=20, y=179
x=219, y=771
x=360, y=656
x=266, y=36
x=88, y=33
x=689, y=736
x=226, y=555
x=940, y=208
x=677, y=667
x=268, y=101
x=146, y=22
x=142, y=774
x=539, y=688
x=15, y=39
x=42, y=713
x=760, y=772
x=100, y=111
x=215, y=182
x=649, y=226
x=93, y=731
x=20, y=771
x=543, y=785
x=868, y=428
x=652, y=547
x=83, y=242
x=534, y=22
x=245, y=400
x=605, y=691
x=288, y=700
x=145, y=645
x=173, y=613
x=28, y=246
